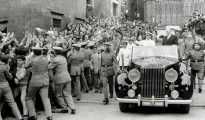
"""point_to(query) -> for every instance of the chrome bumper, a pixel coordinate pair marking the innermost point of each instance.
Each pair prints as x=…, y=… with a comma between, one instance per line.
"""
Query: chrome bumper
x=163, y=102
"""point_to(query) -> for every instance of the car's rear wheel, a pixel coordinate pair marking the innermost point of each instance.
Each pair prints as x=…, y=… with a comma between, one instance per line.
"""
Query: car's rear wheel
x=185, y=108
x=124, y=107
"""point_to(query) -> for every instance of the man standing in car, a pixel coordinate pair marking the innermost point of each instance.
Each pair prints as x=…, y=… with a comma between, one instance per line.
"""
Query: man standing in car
x=170, y=39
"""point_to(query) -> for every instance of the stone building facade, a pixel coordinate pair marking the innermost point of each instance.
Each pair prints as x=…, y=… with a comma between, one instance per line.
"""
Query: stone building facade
x=20, y=15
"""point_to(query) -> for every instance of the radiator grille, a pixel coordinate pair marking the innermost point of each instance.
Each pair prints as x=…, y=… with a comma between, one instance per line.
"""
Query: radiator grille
x=153, y=82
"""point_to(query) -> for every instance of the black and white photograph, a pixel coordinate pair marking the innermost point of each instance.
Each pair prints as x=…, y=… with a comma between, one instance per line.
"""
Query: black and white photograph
x=102, y=59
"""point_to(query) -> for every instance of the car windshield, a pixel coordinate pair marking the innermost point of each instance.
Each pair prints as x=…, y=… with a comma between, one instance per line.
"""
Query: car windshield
x=152, y=51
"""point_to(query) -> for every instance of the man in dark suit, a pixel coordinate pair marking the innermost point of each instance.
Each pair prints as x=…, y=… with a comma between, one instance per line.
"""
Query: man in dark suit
x=170, y=39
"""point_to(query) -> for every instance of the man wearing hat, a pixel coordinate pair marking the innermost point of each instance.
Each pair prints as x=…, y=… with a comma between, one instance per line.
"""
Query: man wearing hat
x=107, y=71
x=62, y=80
x=39, y=82
x=196, y=57
x=5, y=90
x=86, y=64
x=75, y=59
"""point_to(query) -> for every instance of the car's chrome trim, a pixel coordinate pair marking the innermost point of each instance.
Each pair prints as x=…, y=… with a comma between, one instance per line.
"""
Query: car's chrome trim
x=166, y=101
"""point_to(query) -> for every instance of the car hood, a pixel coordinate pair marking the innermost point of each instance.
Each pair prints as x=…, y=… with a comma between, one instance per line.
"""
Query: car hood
x=154, y=62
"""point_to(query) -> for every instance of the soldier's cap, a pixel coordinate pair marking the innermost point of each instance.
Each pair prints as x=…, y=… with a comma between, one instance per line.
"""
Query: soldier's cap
x=197, y=43
x=37, y=48
x=189, y=36
x=83, y=43
x=57, y=48
x=76, y=45
x=130, y=39
x=123, y=42
x=91, y=44
x=107, y=44
x=102, y=48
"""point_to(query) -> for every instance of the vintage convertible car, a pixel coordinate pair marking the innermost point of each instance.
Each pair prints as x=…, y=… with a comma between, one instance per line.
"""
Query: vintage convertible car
x=154, y=78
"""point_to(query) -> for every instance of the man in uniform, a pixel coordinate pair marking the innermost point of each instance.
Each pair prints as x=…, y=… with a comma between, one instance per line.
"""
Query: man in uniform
x=76, y=59
x=107, y=71
x=83, y=79
x=86, y=64
x=39, y=82
x=5, y=90
x=196, y=57
x=62, y=80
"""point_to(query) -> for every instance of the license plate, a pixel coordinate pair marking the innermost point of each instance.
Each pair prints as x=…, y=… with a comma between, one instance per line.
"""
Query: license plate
x=157, y=104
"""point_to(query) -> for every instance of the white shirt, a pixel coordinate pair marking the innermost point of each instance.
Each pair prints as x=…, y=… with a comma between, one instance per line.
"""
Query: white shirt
x=148, y=43
x=126, y=53
x=169, y=36
x=129, y=46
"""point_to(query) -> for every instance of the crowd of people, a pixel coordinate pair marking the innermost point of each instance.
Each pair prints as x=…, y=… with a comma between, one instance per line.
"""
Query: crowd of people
x=82, y=58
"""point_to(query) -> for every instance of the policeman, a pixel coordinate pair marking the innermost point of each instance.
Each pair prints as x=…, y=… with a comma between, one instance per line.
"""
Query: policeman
x=39, y=82
x=76, y=60
x=5, y=90
x=86, y=63
x=196, y=57
x=107, y=71
x=62, y=80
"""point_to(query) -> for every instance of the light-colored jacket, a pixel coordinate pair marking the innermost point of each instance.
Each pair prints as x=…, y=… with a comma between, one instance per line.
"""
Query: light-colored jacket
x=39, y=69
x=60, y=67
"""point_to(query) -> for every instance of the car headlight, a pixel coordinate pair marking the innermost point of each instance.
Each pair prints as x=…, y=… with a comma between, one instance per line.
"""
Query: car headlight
x=171, y=75
x=134, y=75
x=121, y=78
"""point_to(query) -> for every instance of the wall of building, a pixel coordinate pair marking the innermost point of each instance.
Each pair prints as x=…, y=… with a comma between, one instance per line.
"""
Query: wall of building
x=25, y=15
x=172, y=12
x=135, y=6
x=104, y=8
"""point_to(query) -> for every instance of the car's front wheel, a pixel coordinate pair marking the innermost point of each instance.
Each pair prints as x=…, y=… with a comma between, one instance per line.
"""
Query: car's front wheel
x=185, y=108
x=124, y=107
